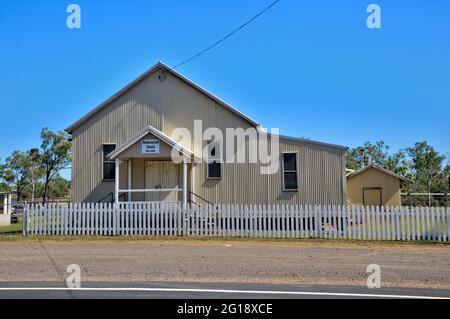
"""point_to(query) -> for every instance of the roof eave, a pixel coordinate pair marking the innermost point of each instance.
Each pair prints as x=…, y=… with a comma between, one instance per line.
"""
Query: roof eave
x=400, y=177
x=85, y=117
x=304, y=140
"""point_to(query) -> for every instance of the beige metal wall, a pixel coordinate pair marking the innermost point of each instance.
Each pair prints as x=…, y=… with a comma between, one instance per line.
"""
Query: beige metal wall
x=163, y=104
x=390, y=186
x=321, y=179
x=172, y=103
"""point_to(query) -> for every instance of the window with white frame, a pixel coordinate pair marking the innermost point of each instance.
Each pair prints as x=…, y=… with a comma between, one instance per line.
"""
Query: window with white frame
x=109, y=166
x=290, y=174
x=214, y=169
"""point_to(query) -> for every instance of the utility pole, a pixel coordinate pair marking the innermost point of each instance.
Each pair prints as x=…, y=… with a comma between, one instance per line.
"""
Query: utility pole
x=361, y=154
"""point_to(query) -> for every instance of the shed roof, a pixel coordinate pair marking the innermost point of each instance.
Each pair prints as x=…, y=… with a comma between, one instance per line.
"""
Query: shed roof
x=379, y=168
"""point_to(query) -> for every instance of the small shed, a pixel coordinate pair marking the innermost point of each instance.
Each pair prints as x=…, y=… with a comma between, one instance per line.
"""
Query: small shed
x=5, y=208
x=374, y=185
x=5, y=202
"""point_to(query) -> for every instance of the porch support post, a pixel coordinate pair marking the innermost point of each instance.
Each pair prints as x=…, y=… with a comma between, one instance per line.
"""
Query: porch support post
x=184, y=183
x=9, y=203
x=116, y=182
x=192, y=181
x=5, y=203
x=129, y=179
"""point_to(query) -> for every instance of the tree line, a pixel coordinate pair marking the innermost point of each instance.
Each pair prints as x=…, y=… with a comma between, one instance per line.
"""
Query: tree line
x=426, y=170
x=35, y=173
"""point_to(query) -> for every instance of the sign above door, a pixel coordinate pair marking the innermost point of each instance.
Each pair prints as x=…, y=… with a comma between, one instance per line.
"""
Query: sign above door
x=150, y=147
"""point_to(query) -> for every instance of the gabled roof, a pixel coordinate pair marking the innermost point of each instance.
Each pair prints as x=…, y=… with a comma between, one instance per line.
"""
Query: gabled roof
x=158, y=65
x=160, y=135
x=377, y=168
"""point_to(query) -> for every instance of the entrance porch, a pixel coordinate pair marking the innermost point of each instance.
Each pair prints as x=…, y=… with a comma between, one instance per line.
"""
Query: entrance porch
x=152, y=180
x=151, y=174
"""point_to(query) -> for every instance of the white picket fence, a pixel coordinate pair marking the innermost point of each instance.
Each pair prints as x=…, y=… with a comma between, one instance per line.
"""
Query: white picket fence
x=261, y=221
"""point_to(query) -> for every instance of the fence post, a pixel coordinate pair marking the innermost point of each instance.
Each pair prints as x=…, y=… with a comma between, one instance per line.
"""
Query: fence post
x=446, y=199
x=409, y=200
x=115, y=218
x=25, y=220
x=448, y=224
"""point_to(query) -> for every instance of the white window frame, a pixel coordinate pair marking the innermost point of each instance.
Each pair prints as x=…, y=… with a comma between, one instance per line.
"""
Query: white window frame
x=290, y=171
x=207, y=166
x=103, y=162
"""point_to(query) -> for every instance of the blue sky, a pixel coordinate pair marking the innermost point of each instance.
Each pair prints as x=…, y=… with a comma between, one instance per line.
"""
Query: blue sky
x=311, y=68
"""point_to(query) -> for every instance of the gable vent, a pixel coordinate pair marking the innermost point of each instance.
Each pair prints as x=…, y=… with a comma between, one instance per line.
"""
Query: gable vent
x=162, y=76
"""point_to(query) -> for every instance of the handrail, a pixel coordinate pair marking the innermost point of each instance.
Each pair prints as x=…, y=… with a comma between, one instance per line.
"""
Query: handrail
x=112, y=197
x=110, y=194
x=124, y=194
x=205, y=200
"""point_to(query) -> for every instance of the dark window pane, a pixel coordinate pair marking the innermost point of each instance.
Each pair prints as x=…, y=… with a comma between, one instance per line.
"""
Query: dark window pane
x=106, y=150
x=214, y=169
x=290, y=180
x=109, y=170
x=290, y=161
x=213, y=151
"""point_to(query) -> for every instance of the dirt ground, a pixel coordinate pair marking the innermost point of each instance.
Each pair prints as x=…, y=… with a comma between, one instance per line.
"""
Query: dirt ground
x=289, y=262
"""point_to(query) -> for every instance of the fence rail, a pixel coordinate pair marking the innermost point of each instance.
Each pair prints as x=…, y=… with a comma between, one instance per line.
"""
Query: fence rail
x=255, y=221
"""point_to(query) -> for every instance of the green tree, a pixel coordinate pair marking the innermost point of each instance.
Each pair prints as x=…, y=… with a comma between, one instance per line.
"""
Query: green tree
x=446, y=178
x=59, y=187
x=36, y=171
x=54, y=155
x=16, y=171
x=4, y=187
x=376, y=153
x=426, y=168
x=397, y=162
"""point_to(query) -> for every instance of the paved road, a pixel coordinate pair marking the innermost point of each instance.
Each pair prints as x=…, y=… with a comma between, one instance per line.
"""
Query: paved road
x=138, y=290
x=334, y=266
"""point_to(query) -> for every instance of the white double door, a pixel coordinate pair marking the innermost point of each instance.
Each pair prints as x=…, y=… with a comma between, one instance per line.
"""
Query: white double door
x=161, y=175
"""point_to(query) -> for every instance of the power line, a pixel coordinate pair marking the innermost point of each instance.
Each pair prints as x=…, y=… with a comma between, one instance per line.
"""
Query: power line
x=227, y=36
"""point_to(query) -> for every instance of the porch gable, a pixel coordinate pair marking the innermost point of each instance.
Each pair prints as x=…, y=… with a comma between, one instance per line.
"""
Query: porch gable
x=150, y=143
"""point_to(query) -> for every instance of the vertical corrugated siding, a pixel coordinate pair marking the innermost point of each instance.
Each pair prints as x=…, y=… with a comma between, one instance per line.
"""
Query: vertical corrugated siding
x=321, y=179
x=172, y=103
